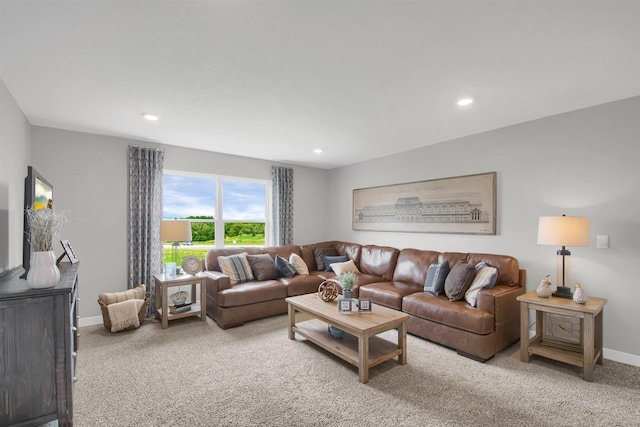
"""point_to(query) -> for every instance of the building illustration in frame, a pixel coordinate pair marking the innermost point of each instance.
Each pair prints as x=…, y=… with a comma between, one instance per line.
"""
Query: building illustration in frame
x=465, y=204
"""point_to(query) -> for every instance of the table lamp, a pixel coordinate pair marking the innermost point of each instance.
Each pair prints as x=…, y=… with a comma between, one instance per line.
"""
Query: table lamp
x=563, y=231
x=176, y=231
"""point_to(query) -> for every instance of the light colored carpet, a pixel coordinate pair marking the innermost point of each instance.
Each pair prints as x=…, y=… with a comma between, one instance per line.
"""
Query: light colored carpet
x=196, y=374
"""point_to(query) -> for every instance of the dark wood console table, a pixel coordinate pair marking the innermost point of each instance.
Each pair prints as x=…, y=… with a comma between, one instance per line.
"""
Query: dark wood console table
x=39, y=336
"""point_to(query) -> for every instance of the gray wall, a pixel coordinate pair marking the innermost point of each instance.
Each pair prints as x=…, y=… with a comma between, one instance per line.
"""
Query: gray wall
x=583, y=163
x=15, y=150
x=89, y=175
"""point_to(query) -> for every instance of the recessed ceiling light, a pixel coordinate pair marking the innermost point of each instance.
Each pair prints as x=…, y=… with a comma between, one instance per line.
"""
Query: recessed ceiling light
x=318, y=150
x=465, y=101
x=150, y=117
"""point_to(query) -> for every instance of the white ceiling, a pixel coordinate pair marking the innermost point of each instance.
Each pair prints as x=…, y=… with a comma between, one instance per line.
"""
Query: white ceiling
x=276, y=79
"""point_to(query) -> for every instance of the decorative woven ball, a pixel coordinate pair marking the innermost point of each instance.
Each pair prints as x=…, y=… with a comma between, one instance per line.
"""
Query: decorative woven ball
x=328, y=291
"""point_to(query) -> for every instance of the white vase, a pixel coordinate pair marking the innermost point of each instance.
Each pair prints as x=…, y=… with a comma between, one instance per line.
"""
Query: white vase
x=43, y=271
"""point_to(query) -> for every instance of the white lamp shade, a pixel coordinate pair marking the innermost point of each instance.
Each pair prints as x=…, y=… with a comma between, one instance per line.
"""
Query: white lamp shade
x=563, y=230
x=175, y=231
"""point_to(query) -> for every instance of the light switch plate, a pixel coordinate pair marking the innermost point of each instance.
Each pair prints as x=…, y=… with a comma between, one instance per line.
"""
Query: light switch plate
x=602, y=242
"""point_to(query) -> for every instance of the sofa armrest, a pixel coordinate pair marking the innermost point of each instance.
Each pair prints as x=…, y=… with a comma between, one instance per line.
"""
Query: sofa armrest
x=501, y=302
x=216, y=282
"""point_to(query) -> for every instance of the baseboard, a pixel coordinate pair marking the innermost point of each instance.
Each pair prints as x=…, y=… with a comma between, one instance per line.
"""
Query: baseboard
x=616, y=356
x=90, y=321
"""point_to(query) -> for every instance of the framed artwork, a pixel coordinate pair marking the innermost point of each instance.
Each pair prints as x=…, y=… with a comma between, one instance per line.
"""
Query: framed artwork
x=364, y=305
x=344, y=305
x=68, y=251
x=458, y=205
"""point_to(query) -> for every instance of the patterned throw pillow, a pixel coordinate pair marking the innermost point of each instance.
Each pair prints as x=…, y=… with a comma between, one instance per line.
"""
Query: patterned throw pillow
x=458, y=280
x=299, y=264
x=285, y=268
x=486, y=277
x=436, y=275
x=236, y=267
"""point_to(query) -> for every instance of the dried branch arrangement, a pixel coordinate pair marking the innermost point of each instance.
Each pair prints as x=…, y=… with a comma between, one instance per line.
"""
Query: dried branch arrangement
x=45, y=225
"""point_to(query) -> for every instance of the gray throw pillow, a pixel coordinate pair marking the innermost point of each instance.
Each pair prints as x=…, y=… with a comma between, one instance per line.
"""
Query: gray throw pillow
x=263, y=267
x=328, y=260
x=320, y=253
x=436, y=275
x=458, y=280
x=285, y=268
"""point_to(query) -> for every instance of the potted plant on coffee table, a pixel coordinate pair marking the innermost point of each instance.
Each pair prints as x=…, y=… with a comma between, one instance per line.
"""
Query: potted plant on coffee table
x=347, y=281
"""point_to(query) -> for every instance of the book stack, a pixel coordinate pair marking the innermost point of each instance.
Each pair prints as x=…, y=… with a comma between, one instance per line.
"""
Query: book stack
x=180, y=308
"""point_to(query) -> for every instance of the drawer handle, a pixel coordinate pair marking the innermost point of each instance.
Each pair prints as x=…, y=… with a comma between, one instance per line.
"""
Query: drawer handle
x=75, y=379
x=75, y=355
x=74, y=329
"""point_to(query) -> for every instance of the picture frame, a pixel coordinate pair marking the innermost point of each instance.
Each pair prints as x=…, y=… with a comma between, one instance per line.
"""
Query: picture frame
x=364, y=305
x=456, y=205
x=68, y=251
x=345, y=305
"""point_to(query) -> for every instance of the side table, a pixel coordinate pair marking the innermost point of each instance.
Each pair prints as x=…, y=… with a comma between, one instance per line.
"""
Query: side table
x=585, y=355
x=162, y=297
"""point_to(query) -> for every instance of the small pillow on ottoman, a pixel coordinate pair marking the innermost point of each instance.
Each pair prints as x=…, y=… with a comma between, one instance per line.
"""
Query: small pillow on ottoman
x=458, y=280
x=284, y=267
x=263, y=267
x=436, y=275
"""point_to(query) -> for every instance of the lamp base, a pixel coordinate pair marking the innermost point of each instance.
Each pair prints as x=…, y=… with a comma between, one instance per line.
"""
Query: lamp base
x=563, y=292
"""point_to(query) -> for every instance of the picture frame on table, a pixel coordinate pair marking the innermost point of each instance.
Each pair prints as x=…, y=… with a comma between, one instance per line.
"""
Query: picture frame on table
x=345, y=305
x=68, y=251
x=364, y=305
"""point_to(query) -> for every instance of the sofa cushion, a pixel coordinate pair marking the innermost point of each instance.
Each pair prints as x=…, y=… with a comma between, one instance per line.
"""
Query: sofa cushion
x=412, y=265
x=508, y=267
x=263, y=267
x=320, y=253
x=328, y=260
x=456, y=314
x=236, y=267
x=251, y=293
x=458, y=280
x=352, y=250
x=211, y=259
x=485, y=278
x=301, y=284
x=436, y=275
x=389, y=294
x=379, y=261
x=343, y=267
x=299, y=264
x=284, y=267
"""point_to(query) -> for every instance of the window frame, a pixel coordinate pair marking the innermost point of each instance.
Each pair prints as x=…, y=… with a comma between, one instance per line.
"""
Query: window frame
x=218, y=218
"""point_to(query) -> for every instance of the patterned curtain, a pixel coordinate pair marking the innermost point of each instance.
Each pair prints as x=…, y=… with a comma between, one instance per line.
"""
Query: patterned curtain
x=282, y=182
x=145, y=213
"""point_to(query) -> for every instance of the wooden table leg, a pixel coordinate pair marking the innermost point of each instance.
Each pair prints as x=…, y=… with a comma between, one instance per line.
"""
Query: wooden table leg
x=598, y=337
x=589, y=346
x=203, y=299
x=363, y=357
x=292, y=322
x=165, y=306
x=402, y=342
x=524, y=332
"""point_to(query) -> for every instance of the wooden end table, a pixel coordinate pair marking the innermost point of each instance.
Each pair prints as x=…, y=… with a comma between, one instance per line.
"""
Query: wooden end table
x=309, y=317
x=585, y=355
x=162, y=297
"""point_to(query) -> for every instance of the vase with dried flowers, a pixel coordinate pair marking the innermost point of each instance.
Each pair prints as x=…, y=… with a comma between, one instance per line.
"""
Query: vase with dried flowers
x=45, y=225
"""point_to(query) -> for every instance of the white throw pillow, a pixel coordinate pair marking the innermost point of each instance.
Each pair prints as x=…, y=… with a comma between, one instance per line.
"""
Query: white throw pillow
x=485, y=277
x=299, y=264
x=343, y=267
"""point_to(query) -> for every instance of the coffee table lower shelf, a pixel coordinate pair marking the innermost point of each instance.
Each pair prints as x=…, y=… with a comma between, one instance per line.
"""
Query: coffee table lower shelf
x=346, y=348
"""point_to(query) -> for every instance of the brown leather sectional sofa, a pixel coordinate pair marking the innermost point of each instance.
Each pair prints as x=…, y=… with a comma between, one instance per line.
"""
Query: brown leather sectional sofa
x=390, y=277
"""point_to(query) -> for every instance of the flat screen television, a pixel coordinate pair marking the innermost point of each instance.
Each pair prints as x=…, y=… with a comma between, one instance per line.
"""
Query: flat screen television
x=38, y=192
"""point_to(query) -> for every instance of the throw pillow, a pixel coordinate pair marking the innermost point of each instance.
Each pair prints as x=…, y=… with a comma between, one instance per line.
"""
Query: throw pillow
x=343, y=267
x=436, y=275
x=284, y=267
x=458, y=280
x=328, y=260
x=236, y=267
x=485, y=278
x=263, y=267
x=320, y=253
x=299, y=264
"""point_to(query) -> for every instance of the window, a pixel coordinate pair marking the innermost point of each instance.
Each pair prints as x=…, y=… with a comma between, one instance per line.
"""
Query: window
x=224, y=211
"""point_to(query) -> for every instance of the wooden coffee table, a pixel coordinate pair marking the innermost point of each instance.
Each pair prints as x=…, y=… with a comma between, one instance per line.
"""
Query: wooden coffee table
x=309, y=317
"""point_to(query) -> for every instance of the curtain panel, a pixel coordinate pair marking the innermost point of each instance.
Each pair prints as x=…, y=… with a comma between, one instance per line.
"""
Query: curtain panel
x=145, y=213
x=282, y=203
